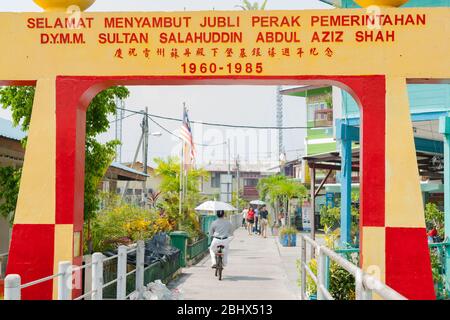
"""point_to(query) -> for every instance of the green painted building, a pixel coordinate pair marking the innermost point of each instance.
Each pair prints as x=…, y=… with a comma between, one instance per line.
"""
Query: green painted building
x=319, y=118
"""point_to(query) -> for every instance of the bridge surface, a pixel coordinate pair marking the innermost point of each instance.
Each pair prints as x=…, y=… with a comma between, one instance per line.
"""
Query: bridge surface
x=258, y=269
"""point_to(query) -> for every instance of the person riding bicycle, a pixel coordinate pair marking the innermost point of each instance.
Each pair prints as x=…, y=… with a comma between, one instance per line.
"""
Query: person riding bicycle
x=221, y=232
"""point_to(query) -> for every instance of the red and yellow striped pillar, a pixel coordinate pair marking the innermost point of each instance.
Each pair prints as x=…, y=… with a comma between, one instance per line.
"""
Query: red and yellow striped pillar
x=49, y=216
x=393, y=236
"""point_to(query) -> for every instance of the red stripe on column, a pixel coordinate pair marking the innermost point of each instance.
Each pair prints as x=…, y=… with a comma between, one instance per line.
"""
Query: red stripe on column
x=70, y=155
x=370, y=94
x=70, y=142
x=373, y=151
x=408, y=265
x=31, y=257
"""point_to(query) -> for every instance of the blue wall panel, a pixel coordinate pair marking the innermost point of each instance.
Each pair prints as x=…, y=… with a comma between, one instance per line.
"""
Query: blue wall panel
x=424, y=98
x=411, y=3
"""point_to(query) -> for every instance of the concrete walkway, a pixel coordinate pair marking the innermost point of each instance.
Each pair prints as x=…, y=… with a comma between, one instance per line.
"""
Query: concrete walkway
x=258, y=269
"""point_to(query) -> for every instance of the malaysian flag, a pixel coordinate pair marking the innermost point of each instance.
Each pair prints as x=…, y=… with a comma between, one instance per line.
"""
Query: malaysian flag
x=186, y=135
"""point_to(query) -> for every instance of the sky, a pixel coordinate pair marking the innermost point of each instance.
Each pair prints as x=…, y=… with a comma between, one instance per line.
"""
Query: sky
x=237, y=105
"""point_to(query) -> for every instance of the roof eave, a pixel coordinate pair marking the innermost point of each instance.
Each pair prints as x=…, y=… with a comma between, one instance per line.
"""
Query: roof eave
x=336, y=3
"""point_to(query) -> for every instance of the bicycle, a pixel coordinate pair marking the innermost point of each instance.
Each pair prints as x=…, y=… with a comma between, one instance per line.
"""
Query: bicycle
x=219, y=262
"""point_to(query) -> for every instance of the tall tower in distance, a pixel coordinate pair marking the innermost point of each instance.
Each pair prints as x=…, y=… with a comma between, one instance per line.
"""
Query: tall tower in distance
x=280, y=121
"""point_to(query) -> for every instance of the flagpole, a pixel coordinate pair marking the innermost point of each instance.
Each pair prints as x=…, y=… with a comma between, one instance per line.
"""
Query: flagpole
x=181, y=178
x=185, y=176
x=184, y=160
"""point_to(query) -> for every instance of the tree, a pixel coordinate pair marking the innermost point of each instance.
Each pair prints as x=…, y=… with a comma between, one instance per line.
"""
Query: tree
x=169, y=172
x=98, y=156
x=9, y=190
x=247, y=5
x=279, y=190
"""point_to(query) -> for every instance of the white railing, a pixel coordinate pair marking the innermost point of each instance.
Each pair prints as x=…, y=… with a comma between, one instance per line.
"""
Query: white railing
x=65, y=273
x=365, y=284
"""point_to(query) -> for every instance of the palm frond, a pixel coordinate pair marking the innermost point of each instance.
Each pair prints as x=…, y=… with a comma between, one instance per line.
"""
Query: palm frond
x=263, y=6
x=248, y=5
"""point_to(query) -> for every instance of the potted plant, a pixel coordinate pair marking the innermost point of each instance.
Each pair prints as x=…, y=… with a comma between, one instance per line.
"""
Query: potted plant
x=288, y=237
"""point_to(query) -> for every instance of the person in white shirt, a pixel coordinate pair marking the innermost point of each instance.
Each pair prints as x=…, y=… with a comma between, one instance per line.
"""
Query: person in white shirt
x=221, y=232
x=244, y=217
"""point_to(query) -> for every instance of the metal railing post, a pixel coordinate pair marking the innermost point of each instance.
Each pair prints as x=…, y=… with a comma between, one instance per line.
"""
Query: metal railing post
x=140, y=252
x=327, y=272
x=12, y=287
x=97, y=276
x=361, y=292
x=87, y=260
x=65, y=281
x=121, y=273
x=302, y=268
x=321, y=273
x=367, y=295
x=359, y=295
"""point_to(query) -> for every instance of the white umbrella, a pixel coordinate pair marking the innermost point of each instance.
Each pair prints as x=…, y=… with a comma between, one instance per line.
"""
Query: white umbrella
x=215, y=206
x=257, y=202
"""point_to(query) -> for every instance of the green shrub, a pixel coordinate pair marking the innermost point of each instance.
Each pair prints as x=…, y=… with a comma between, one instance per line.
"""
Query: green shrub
x=122, y=223
x=434, y=218
x=287, y=231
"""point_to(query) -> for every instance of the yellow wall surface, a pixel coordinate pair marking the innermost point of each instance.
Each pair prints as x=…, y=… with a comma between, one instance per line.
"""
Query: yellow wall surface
x=36, y=201
x=415, y=43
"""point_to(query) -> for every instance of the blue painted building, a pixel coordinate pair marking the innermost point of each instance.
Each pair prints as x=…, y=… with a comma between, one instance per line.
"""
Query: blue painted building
x=428, y=104
x=411, y=3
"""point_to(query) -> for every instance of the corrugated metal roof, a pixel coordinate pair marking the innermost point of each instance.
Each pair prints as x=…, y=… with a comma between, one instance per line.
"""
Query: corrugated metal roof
x=128, y=169
x=7, y=130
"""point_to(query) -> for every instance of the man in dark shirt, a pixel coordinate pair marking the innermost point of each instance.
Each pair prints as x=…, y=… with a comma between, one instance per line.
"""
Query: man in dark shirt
x=264, y=222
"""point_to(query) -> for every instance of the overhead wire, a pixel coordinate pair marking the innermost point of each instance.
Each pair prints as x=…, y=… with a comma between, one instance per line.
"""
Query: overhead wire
x=151, y=116
x=225, y=125
x=173, y=134
x=128, y=116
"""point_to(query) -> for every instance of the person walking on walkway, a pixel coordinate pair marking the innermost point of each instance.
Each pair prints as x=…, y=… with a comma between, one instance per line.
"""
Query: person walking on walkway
x=256, y=228
x=250, y=220
x=222, y=232
x=281, y=218
x=263, y=215
x=244, y=217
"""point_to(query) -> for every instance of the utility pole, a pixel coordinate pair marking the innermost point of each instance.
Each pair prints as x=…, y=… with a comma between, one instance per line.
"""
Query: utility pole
x=238, y=183
x=120, y=114
x=145, y=133
x=280, y=120
x=134, y=161
x=230, y=184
